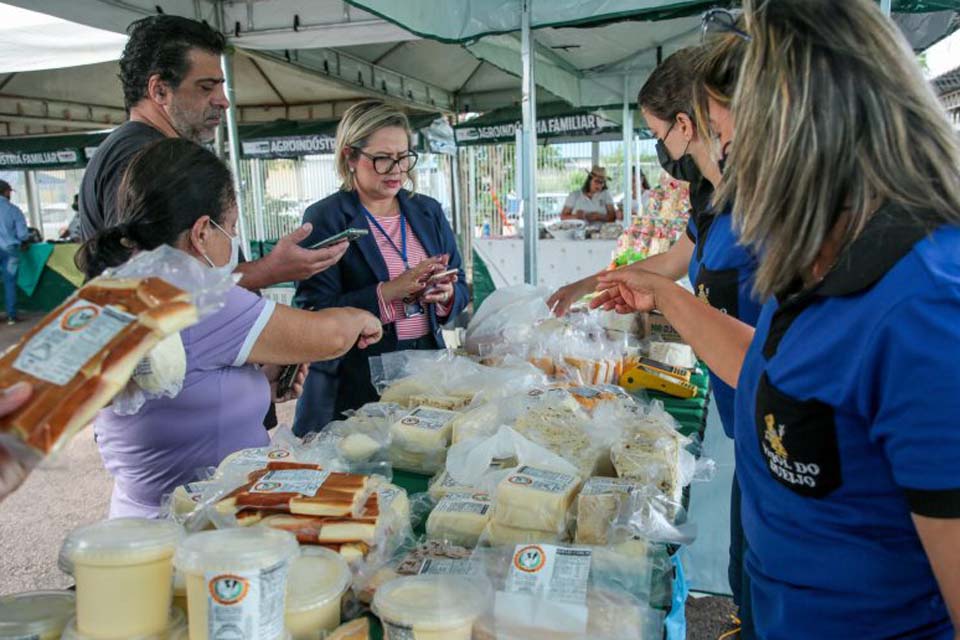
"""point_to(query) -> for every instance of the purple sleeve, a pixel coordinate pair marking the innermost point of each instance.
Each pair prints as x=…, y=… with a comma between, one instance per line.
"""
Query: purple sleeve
x=225, y=338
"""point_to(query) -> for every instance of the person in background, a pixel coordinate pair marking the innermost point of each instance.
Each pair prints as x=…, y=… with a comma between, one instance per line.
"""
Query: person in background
x=13, y=231
x=637, y=204
x=71, y=232
x=177, y=193
x=386, y=272
x=173, y=88
x=592, y=202
x=846, y=393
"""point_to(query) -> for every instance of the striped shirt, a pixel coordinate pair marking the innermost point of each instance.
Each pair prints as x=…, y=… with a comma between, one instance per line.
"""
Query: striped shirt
x=407, y=328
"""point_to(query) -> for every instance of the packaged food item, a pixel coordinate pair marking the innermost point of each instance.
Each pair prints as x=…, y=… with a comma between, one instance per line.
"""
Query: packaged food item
x=430, y=558
x=78, y=358
x=547, y=592
x=163, y=369
x=298, y=488
x=460, y=518
x=651, y=454
x=176, y=628
x=598, y=505
x=37, y=614
x=430, y=607
x=532, y=498
x=236, y=579
x=420, y=440
x=315, y=587
x=185, y=498
x=566, y=433
x=675, y=354
x=126, y=560
x=499, y=534
x=240, y=463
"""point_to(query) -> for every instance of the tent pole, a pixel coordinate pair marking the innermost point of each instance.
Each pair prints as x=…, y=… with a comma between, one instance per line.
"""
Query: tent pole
x=627, y=153
x=518, y=159
x=34, y=207
x=258, y=200
x=531, y=227
x=885, y=7
x=594, y=153
x=234, y=143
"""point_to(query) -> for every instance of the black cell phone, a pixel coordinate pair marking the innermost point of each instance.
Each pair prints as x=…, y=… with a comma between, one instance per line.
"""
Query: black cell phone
x=288, y=376
x=348, y=235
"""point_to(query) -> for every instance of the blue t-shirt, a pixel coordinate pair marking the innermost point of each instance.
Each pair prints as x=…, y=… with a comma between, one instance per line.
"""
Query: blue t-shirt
x=721, y=272
x=846, y=423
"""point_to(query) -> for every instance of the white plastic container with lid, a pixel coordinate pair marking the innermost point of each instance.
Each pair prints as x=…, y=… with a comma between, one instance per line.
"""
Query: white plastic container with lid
x=431, y=607
x=36, y=614
x=318, y=579
x=236, y=582
x=124, y=574
x=176, y=625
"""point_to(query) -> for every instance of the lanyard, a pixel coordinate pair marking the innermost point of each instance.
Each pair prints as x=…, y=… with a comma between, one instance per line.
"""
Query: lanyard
x=402, y=250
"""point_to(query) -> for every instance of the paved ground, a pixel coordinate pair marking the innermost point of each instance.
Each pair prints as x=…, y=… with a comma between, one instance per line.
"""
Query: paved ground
x=72, y=488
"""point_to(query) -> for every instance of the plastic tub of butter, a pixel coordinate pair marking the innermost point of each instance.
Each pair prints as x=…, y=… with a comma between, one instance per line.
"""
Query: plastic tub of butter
x=176, y=626
x=128, y=561
x=431, y=607
x=236, y=582
x=318, y=579
x=36, y=614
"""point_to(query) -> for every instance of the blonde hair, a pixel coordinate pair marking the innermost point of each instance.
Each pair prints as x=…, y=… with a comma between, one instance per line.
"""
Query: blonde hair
x=359, y=122
x=833, y=119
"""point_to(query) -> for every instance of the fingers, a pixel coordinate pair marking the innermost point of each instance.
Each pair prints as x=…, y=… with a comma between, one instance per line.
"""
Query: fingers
x=299, y=235
x=602, y=298
x=12, y=398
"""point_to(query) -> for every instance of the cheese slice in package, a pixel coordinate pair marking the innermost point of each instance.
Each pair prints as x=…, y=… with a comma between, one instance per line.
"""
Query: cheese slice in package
x=532, y=498
x=460, y=518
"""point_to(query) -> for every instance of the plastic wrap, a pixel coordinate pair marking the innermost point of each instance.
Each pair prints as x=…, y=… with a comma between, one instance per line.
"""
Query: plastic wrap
x=415, y=558
x=534, y=499
x=477, y=462
x=83, y=354
x=551, y=592
x=506, y=316
x=460, y=518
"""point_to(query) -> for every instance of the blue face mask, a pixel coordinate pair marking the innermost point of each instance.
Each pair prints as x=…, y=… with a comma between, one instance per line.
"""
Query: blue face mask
x=231, y=265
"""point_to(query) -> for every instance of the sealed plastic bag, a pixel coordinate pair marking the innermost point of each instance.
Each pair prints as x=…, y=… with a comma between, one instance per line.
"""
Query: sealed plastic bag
x=546, y=591
x=413, y=559
x=506, y=316
x=82, y=354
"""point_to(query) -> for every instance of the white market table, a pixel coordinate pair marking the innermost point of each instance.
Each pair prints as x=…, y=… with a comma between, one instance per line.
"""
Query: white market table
x=559, y=261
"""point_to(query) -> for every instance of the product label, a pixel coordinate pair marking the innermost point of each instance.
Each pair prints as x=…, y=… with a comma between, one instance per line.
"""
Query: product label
x=398, y=631
x=246, y=604
x=550, y=572
x=66, y=344
x=600, y=486
x=426, y=418
x=305, y=482
x=478, y=503
x=450, y=567
x=541, y=480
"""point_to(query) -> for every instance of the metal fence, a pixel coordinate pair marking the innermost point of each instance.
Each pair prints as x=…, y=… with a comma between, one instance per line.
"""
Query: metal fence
x=55, y=189
x=491, y=194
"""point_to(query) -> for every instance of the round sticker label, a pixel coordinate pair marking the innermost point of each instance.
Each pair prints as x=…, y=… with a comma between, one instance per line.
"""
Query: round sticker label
x=228, y=589
x=529, y=559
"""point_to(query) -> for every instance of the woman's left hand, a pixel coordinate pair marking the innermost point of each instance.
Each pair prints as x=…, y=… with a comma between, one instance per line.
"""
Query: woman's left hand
x=272, y=371
x=440, y=293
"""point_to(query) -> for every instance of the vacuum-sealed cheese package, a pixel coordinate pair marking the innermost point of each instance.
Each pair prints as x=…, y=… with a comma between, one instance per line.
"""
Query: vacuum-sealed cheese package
x=83, y=353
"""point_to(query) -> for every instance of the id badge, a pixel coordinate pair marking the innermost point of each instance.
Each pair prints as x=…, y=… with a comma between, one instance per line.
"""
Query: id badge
x=412, y=308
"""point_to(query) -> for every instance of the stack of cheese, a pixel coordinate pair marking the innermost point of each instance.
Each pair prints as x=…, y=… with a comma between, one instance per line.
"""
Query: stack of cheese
x=460, y=518
x=347, y=513
x=531, y=505
x=584, y=369
x=419, y=440
x=650, y=453
x=564, y=431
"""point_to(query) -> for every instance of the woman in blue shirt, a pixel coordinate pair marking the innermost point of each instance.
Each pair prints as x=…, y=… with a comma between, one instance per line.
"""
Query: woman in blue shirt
x=846, y=180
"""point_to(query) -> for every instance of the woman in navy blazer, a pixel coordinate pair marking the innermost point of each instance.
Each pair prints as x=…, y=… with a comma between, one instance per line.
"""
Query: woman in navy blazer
x=408, y=234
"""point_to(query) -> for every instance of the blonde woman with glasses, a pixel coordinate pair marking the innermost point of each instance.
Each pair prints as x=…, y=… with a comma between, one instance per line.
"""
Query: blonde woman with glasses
x=386, y=272
x=846, y=179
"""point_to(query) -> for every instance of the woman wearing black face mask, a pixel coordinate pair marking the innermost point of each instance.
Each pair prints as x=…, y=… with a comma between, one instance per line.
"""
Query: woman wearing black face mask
x=666, y=102
x=720, y=270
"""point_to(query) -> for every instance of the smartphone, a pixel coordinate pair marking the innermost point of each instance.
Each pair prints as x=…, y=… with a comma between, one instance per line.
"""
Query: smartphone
x=288, y=375
x=348, y=235
x=441, y=276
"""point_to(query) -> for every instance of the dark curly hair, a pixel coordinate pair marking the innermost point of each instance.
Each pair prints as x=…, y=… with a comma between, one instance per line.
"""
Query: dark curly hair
x=159, y=45
x=167, y=187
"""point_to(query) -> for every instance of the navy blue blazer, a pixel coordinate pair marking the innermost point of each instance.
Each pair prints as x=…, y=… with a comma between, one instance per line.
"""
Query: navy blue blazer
x=338, y=385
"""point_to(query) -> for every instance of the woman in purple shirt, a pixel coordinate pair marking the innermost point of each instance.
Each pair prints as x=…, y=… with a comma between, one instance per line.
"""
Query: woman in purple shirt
x=178, y=193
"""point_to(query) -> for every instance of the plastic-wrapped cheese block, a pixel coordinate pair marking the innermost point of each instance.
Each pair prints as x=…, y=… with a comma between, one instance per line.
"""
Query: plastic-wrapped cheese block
x=532, y=498
x=185, y=498
x=651, y=456
x=460, y=518
x=357, y=447
x=420, y=440
x=564, y=433
x=674, y=354
x=498, y=534
x=164, y=368
x=597, y=507
x=78, y=358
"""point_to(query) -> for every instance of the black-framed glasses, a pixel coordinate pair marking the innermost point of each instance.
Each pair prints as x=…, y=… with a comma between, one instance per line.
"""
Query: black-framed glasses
x=721, y=21
x=385, y=164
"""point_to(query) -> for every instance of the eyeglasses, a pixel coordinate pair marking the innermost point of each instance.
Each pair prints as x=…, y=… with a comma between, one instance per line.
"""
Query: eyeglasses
x=385, y=164
x=720, y=21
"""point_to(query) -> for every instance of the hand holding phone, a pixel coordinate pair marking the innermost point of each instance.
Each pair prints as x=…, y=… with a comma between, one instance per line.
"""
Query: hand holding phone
x=347, y=235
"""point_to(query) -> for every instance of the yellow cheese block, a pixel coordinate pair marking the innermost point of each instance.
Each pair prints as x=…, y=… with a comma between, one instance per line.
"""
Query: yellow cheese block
x=460, y=518
x=532, y=498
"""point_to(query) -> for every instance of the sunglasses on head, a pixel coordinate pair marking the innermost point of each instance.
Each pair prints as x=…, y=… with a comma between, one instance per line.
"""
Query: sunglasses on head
x=720, y=22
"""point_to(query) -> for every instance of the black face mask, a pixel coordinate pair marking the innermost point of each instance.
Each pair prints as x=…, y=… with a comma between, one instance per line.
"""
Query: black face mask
x=683, y=168
x=722, y=162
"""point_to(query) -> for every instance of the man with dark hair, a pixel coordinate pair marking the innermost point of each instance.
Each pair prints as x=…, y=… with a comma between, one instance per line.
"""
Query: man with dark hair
x=13, y=231
x=173, y=86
